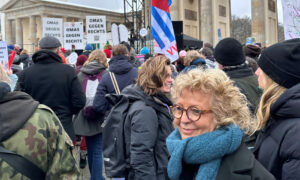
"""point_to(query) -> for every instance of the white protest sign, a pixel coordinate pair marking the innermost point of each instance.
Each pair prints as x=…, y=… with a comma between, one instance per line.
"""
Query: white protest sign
x=3, y=54
x=123, y=33
x=291, y=18
x=115, y=34
x=73, y=58
x=53, y=27
x=96, y=29
x=73, y=35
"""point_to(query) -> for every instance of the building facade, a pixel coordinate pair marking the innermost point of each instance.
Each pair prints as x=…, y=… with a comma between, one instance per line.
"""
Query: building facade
x=210, y=20
x=23, y=18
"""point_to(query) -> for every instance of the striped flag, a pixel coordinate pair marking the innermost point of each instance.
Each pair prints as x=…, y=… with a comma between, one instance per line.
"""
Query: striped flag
x=162, y=29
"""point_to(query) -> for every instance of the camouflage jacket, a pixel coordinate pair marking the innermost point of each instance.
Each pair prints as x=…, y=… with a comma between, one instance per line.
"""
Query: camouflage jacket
x=43, y=141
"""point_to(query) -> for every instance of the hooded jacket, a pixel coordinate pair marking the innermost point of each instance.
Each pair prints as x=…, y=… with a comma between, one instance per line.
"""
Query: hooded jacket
x=33, y=131
x=278, y=147
x=94, y=125
x=54, y=84
x=125, y=75
x=147, y=125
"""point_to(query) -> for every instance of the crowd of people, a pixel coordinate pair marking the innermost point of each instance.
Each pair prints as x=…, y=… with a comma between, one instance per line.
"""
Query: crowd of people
x=223, y=112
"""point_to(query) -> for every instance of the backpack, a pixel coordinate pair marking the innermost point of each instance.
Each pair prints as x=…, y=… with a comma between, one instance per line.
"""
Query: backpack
x=113, y=139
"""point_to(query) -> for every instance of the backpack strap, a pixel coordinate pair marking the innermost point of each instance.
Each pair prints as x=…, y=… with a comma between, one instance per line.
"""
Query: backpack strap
x=114, y=82
x=21, y=164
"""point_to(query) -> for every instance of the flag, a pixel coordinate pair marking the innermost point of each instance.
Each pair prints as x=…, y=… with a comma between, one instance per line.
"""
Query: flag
x=162, y=29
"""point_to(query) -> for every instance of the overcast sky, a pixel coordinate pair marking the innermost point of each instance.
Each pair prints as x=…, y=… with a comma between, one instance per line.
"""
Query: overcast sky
x=243, y=8
x=238, y=7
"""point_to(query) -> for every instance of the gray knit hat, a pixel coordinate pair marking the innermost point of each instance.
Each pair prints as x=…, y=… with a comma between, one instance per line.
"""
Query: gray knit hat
x=49, y=42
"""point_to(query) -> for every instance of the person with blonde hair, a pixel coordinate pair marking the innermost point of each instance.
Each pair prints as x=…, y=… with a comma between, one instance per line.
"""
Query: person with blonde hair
x=148, y=121
x=277, y=146
x=88, y=122
x=211, y=116
x=193, y=59
x=8, y=77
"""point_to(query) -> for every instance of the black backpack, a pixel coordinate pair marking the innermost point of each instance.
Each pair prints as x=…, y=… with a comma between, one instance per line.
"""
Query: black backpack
x=113, y=140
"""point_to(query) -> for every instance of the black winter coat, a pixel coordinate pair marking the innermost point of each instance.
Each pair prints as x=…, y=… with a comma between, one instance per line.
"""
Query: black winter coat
x=239, y=165
x=54, y=84
x=147, y=126
x=125, y=75
x=278, y=145
x=246, y=81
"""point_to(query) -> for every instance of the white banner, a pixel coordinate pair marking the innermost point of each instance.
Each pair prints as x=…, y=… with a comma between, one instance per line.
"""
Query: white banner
x=73, y=35
x=96, y=29
x=291, y=18
x=3, y=54
x=53, y=27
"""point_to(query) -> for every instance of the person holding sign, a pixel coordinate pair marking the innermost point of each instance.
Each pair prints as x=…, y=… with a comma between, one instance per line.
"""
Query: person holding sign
x=53, y=83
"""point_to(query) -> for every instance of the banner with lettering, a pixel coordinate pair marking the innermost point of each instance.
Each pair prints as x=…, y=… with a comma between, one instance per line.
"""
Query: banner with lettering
x=162, y=29
x=73, y=38
x=291, y=18
x=96, y=29
x=3, y=54
x=53, y=27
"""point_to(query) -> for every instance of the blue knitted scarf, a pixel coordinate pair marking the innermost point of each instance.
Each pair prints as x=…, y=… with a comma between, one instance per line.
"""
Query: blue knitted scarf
x=206, y=150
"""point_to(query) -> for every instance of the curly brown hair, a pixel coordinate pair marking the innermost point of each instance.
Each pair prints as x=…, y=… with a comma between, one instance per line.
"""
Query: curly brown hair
x=152, y=74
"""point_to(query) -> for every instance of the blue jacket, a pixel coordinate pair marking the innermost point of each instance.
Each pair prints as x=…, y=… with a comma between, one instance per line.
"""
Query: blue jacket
x=125, y=75
x=277, y=147
x=194, y=64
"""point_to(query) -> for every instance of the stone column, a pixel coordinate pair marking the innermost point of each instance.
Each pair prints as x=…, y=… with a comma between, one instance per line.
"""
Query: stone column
x=258, y=20
x=32, y=26
x=207, y=21
x=8, y=31
x=19, y=33
x=108, y=26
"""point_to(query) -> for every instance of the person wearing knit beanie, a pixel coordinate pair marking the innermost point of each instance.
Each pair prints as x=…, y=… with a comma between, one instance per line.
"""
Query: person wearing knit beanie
x=231, y=58
x=144, y=51
x=278, y=115
x=281, y=62
x=229, y=52
x=80, y=61
x=252, y=51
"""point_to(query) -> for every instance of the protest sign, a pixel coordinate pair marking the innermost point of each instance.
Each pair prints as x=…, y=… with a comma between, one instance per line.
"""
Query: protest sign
x=73, y=38
x=53, y=27
x=96, y=29
x=73, y=58
x=291, y=18
x=3, y=54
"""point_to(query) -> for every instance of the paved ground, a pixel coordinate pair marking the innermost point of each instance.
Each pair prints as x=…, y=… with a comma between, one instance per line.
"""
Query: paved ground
x=84, y=173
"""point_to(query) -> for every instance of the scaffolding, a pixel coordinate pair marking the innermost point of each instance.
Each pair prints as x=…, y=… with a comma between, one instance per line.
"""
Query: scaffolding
x=135, y=20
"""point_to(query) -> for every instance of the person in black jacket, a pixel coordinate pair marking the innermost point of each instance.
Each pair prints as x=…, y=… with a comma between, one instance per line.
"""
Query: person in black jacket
x=53, y=83
x=212, y=117
x=125, y=75
x=278, y=146
x=149, y=121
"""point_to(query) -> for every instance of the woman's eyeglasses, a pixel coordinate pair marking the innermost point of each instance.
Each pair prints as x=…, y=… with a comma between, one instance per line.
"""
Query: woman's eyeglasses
x=192, y=112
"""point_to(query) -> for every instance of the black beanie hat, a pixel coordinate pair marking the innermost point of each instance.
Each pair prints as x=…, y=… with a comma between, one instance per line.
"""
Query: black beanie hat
x=281, y=62
x=229, y=52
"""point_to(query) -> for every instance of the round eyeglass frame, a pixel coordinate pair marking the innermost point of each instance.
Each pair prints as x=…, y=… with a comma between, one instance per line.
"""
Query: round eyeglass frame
x=186, y=110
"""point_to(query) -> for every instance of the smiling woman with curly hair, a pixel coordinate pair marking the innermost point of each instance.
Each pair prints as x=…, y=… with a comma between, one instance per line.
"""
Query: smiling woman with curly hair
x=212, y=117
